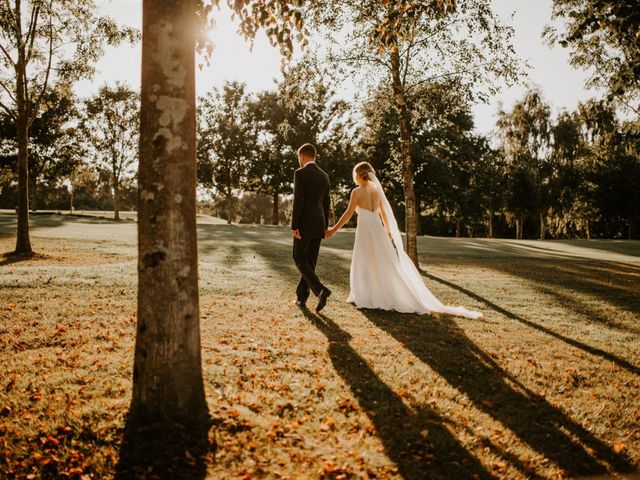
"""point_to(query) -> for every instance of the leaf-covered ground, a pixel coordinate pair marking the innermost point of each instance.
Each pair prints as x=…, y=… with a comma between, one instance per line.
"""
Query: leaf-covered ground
x=544, y=386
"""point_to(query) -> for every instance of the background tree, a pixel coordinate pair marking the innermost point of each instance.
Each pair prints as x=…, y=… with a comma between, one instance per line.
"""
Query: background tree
x=526, y=134
x=110, y=124
x=566, y=180
x=603, y=37
x=410, y=42
x=302, y=109
x=43, y=41
x=491, y=184
x=449, y=159
x=617, y=194
x=226, y=141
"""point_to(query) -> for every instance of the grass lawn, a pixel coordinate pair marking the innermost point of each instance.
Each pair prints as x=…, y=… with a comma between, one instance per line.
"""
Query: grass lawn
x=545, y=385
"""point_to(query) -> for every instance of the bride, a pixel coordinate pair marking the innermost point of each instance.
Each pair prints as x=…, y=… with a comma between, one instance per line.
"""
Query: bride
x=382, y=274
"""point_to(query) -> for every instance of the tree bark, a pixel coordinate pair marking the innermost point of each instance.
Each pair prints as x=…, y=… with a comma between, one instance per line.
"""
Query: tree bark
x=458, y=228
x=407, y=159
x=229, y=207
x=490, y=223
x=543, y=227
x=276, y=214
x=167, y=374
x=519, y=225
x=23, y=242
x=116, y=199
x=71, y=192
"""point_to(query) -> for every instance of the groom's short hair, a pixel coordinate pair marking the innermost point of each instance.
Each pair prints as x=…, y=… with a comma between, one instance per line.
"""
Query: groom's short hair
x=308, y=151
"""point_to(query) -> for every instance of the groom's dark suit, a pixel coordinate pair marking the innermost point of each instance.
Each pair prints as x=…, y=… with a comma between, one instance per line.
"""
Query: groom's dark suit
x=311, y=217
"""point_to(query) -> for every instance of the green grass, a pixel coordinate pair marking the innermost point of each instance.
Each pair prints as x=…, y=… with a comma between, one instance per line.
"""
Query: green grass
x=545, y=385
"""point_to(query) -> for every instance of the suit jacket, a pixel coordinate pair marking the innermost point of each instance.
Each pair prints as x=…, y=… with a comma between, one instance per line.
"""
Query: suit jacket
x=311, y=201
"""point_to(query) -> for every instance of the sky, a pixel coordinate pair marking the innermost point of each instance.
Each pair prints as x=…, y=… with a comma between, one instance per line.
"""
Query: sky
x=561, y=85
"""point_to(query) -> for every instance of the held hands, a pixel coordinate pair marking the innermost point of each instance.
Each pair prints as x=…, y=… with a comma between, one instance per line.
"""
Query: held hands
x=296, y=234
x=330, y=233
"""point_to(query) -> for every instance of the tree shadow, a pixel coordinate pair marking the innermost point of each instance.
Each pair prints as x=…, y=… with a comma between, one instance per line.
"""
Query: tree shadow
x=623, y=247
x=622, y=363
x=10, y=258
x=164, y=451
x=614, y=284
x=443, y=345
x=417, y=441
x=8, y=222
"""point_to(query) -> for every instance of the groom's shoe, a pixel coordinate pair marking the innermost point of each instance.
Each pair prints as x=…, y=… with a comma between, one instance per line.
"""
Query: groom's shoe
x=322, y=298
x=300, y=303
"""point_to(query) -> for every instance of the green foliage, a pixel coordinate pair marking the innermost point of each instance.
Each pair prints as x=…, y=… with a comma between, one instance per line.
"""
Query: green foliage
x=604, y=37
x=457, y=176
x=110, y=125
x=283, y=21
x=301, y=109
x=226, y=140
x=433, y=40
x=526, y=137
x=48, y=42
x=56, y=147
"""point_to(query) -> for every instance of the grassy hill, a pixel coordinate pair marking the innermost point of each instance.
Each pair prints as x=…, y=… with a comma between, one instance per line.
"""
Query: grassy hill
x=545, y=385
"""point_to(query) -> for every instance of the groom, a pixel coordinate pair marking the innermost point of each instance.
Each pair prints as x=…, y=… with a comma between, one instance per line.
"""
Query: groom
x=309, y=221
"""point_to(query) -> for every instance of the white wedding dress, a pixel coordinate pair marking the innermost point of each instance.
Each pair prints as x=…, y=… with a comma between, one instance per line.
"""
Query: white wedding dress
x=382, y=274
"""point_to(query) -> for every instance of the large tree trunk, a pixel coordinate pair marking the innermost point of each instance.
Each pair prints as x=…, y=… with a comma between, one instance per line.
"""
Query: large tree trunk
x=407, y=160
x=116, y=200
x=167, y=376
x=490, y=222
x=458, y=228
x=23, y=242
x=276, y=213
x=543, y=227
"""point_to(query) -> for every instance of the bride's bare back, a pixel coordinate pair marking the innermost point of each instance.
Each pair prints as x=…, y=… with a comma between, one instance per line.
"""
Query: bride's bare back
x=367, y=197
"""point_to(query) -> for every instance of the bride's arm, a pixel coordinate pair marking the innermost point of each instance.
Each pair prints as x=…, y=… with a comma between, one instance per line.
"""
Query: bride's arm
x=346, y=216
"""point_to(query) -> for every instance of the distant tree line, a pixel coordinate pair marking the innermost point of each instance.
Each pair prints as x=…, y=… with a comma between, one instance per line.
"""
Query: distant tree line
x=570, y=175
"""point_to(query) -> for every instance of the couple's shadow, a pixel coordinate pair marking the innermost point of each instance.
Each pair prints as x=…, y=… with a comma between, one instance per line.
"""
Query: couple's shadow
x=418, y=440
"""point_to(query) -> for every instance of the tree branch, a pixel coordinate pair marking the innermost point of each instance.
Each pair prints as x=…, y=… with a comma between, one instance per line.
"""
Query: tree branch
x=6, y=54
x=433, y=34
x=406, y=65
x=448, y=74
x=31, y=32
x=9, y=111
x=363, y=58
x=6, y=89
x=45, y=83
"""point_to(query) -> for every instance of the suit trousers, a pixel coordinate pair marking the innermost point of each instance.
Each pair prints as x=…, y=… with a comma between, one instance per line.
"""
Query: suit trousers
x=305, y=255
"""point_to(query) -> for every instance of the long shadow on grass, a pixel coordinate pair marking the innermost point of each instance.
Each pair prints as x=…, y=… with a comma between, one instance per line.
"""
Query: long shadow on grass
x=164, y=451
x=418, y=442
x=443, y=345
x=614, y=284
x=574, y=343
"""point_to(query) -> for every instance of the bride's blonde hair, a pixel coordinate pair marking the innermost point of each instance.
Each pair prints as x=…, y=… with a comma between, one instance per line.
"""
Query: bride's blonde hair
x=362, y=171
